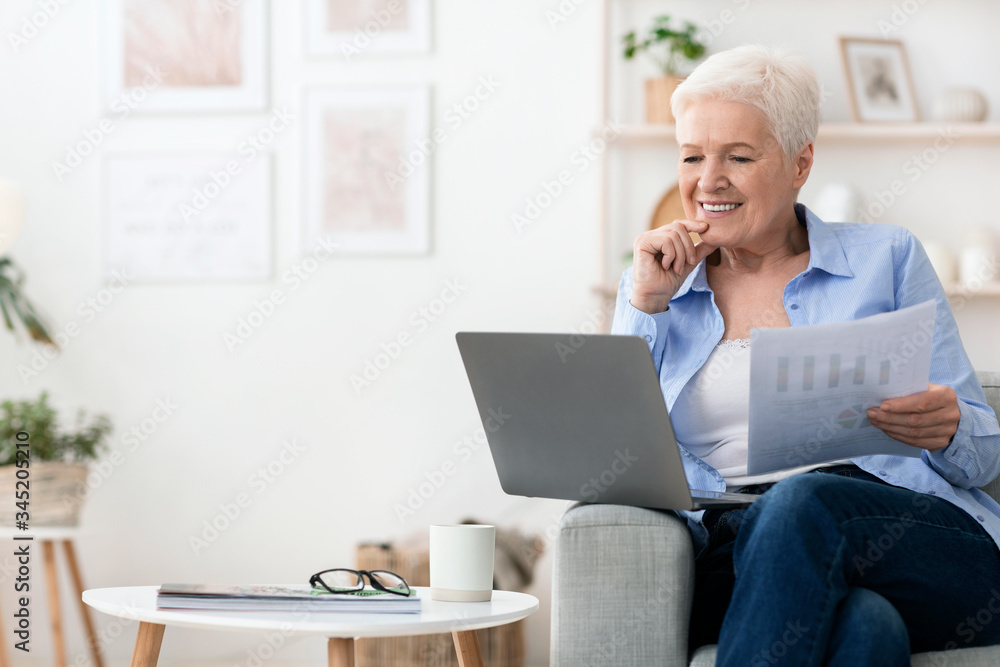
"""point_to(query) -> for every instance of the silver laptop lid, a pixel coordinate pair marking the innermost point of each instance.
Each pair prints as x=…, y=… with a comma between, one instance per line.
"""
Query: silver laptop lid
x=575, y=417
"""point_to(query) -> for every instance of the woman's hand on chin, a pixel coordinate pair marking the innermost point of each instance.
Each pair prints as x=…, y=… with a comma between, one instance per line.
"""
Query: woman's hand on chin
x=662, y=259
x=927, y=420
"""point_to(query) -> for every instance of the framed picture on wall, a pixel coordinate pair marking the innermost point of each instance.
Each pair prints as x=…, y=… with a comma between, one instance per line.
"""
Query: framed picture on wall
x=354, y=28
x=878, y=80
x=185, y=55
x=368, y=155
x=187, y=217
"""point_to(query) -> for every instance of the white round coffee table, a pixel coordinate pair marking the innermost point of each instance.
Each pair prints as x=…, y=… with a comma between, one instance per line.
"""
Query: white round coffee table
x=461, y=619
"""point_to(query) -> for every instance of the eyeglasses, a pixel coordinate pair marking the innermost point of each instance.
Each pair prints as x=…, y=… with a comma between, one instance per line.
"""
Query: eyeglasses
x=341, y=580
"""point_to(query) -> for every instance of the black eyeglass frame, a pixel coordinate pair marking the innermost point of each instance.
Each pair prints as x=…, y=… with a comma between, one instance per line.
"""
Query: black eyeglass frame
x=316, y=579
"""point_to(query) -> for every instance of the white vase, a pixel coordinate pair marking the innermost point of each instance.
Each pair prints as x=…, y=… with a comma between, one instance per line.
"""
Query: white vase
x=943, y=261
x=960, y=105
x=837, y=202
x=977, y=264
x=977, y=267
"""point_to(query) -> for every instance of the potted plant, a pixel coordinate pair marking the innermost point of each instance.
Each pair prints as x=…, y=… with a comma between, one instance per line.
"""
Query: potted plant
x=669, y=48
x=57, y=461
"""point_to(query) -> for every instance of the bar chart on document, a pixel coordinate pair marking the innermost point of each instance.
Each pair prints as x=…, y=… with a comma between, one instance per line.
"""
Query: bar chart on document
x=810, y=387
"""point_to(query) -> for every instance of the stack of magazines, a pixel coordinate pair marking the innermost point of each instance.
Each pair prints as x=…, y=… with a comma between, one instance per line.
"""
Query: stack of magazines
x=290, y=597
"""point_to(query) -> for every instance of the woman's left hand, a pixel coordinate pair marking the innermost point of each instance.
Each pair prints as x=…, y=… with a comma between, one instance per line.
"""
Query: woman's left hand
x=927, y=420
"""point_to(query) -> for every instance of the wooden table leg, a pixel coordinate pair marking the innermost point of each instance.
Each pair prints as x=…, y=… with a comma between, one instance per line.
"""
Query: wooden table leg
x=340, y=652
x=147, y=644
x=74, y=571
x=467, y=648
x=49, y=557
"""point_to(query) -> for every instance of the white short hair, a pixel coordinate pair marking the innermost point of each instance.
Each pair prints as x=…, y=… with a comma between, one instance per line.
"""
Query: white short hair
x=775, y=81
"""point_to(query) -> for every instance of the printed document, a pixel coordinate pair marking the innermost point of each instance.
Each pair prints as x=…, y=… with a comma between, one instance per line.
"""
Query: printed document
x=811, y=387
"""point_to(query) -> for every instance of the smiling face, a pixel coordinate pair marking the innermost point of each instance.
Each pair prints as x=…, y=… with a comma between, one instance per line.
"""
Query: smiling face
x=734, y=176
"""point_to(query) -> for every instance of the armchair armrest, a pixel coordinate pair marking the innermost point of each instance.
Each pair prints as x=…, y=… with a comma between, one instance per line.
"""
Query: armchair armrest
x=623, y=582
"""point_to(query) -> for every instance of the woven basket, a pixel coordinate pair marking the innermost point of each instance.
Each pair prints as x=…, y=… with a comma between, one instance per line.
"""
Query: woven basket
x=56, y=488
x=501, y=646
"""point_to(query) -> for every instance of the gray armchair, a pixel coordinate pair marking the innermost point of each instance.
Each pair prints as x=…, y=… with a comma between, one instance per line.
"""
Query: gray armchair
x=623, y=581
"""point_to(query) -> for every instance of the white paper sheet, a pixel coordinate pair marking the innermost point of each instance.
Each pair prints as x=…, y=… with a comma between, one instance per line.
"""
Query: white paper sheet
x=810, y=387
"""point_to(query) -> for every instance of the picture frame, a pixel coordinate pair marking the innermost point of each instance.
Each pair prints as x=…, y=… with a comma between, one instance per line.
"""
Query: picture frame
x=356, y=28
x=192, y=55
x=196, y=216
x=878, y=80
x=368, y=156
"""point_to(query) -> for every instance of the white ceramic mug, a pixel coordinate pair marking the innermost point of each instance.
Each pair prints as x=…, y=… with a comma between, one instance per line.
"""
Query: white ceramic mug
x=461, y=559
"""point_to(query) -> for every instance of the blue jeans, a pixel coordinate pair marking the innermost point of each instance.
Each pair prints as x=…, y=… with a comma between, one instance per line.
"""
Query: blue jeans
x=843, y=569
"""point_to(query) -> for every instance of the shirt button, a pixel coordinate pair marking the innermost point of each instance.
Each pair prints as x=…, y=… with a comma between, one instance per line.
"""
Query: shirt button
x=881, y=472
x=794, y=306
x=980, y=517
x=649, y=339
x=932, y=493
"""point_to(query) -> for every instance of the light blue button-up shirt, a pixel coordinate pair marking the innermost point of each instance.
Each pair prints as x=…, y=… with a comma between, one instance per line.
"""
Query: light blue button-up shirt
x=855, y=270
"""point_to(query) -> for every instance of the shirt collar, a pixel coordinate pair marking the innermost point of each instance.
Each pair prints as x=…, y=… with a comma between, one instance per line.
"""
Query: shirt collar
x=826, y=252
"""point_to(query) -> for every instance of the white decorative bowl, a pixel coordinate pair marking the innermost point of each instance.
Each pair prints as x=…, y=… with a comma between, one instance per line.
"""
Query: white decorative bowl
x=960, y=105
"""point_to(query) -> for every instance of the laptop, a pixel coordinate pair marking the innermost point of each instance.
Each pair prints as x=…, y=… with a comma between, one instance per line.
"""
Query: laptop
x=580, y=417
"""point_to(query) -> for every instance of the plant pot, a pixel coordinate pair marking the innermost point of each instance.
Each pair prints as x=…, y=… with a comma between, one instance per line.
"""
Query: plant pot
x=56, y=489
x=658, y=93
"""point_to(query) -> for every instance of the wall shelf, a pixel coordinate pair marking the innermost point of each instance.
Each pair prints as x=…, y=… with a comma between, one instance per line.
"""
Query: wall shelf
x=988, y=289
x=608, y=293
x=643, y=134
x=905, y=131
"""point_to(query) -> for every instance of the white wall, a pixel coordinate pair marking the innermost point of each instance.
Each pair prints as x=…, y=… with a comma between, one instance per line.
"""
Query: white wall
x=291, y=380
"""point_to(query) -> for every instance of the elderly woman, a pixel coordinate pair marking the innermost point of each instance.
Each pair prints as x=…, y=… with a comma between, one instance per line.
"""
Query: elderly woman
x=853, y=562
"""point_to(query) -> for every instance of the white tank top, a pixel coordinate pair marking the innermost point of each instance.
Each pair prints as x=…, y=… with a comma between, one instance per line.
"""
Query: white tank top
x=711, y=416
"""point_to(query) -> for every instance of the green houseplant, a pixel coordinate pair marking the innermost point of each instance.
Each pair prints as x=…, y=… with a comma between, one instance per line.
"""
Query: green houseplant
x=669, y=48
x=14, y=304
x=57, y=460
